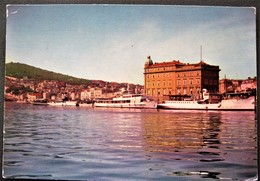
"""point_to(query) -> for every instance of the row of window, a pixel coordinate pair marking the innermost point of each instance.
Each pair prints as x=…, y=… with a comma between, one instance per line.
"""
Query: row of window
x=183, y=74
x=186, y=82
x=153, y=92
x=172, y=68
x=158, y=75
x=113, y=101
x=152, y=84
x=159, y=69
x=157, y=92
x=181, y=82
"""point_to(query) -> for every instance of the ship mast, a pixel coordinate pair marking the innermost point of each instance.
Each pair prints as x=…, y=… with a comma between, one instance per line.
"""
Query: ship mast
x=200, y=52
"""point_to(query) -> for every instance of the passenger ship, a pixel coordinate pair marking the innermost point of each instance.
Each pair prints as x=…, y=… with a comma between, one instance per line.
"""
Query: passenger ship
x=239, y=101
x=127, y=101
x=64, y=103
x=232, y=102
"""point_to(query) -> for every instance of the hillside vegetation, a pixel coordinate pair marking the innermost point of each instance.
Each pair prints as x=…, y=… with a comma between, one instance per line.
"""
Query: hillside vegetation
x=20, y=70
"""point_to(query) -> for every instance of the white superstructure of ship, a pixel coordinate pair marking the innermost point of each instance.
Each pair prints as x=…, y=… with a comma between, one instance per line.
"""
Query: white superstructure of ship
x=127, y=101
x=63, y=103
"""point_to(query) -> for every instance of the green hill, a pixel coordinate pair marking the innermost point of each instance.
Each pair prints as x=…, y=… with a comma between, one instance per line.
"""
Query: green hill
x=20, y=70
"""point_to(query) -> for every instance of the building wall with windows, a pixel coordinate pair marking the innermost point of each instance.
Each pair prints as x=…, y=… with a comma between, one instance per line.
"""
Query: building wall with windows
x=237, y=85
x=175, y=77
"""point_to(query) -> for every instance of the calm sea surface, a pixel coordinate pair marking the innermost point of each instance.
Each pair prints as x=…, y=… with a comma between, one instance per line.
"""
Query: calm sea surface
x=80, y=143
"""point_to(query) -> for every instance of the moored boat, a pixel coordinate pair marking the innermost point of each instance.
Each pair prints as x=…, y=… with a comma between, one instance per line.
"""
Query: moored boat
x=238, y=103
x=40, y=102
x=189, y=105
x=63, y=103
x=127, y=101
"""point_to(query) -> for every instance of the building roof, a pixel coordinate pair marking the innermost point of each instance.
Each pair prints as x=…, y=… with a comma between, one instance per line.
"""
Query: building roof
x=179, y=63
x=166, y=64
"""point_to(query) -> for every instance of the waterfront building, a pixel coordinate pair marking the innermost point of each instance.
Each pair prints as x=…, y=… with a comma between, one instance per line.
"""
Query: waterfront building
x=46, y=95
x=72, y=96
x=249, y=84
x=178, y=78
x=229, y=85
x=85, y=95
x=237, y=85
x=95, y=93
x=32, y=96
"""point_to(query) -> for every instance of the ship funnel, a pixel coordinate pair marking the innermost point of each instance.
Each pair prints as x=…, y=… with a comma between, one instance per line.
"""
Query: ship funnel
x=205, y=94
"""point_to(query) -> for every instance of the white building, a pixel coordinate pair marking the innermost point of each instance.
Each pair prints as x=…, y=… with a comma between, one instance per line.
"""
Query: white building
x=85, y=95
x=95, y=93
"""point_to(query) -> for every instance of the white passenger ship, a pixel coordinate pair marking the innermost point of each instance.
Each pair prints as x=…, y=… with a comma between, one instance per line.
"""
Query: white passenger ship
x=242, y=102
x=63, y=103
x=127, y=101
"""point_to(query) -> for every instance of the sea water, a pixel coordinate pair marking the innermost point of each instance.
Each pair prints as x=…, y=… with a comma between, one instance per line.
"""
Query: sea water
x=85, y=143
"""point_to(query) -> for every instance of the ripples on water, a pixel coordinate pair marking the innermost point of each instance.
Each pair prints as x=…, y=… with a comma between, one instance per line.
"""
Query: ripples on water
x=76, y=143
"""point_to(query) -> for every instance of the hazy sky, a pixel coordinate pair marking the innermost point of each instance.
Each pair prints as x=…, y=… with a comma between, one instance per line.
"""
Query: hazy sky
x=111, y=42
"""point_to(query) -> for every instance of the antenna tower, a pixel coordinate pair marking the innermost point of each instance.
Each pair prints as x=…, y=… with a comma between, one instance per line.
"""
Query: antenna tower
x=200, y=52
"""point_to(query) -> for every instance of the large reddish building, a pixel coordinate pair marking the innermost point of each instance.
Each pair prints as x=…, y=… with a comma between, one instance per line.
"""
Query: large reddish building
x=175, y=77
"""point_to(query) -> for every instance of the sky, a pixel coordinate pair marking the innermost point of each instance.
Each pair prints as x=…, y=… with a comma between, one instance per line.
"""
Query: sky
x=112, y=42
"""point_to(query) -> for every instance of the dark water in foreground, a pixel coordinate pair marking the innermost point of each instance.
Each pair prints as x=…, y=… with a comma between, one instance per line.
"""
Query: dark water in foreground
x=76, y=143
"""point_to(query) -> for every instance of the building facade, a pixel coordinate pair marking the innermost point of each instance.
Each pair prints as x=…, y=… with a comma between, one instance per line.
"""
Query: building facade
x=178, y=78
x=237, y=85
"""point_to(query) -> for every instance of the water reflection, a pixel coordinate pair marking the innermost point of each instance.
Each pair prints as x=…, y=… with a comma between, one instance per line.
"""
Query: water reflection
x=175, y=131
x=203, y=144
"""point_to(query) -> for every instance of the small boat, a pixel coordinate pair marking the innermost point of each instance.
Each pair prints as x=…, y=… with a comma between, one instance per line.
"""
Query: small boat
x=40, y=102
x=127, y=101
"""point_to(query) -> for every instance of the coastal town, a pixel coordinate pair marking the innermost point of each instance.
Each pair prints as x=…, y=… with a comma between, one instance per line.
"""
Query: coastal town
x=161, y=74
x=23, y=90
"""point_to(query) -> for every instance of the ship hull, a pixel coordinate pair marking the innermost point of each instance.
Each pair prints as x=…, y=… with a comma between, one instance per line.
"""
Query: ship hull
x=188, y=105
x=224, y=105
